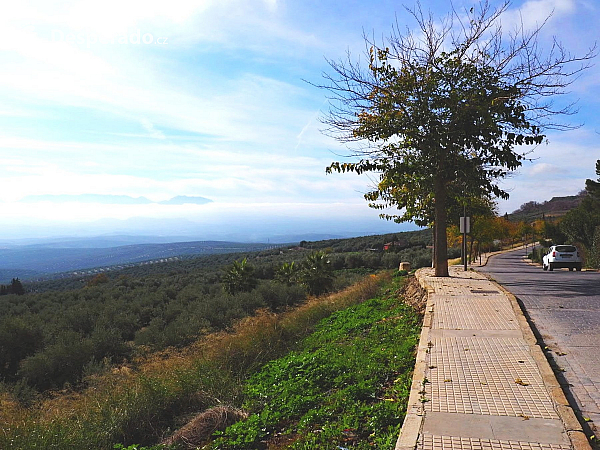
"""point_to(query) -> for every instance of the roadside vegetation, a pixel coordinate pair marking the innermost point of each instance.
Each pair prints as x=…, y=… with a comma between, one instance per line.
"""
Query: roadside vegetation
x=346, y=386
x=144, y=401
x=56, y=335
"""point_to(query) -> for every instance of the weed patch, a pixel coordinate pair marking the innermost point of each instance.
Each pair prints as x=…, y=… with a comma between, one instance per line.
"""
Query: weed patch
x=346, y=386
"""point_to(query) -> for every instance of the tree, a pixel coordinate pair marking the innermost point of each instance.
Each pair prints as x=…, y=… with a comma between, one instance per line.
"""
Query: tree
x=592, y=187
x=316, y=273
x=16, y=287
x=440, y=126
x=580, y=224
x=239, y=277
x=288, y=273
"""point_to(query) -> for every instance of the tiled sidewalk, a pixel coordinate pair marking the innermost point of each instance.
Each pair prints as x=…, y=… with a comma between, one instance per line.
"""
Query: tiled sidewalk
x=480, y=381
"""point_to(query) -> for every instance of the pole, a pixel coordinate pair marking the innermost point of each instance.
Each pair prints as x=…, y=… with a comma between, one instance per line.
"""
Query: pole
x=465, y=237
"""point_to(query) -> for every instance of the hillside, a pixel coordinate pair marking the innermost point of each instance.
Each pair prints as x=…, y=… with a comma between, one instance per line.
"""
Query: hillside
x=553, y=208
x=44, y=260
x=107, y=317
x=65, y=336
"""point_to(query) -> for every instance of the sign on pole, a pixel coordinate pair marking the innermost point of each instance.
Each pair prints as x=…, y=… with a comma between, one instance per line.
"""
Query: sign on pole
x=465, y=225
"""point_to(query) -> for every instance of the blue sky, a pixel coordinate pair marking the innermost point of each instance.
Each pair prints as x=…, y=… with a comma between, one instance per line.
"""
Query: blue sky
x=208, y=98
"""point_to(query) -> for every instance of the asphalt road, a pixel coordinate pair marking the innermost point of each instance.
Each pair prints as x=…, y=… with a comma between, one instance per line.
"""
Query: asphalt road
x=564, y=309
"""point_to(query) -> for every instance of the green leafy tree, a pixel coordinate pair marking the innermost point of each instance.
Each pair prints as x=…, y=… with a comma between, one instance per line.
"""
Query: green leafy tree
x=440, y=126
x=19, y=338
x=580, y=224
x=15, y=287
x=239, y=277
x=593, y=187
x=288, y=273
x=316, y=273
x=594, y=259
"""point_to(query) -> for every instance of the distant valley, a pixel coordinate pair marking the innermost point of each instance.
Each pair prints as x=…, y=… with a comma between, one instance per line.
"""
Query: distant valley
x=44, y=259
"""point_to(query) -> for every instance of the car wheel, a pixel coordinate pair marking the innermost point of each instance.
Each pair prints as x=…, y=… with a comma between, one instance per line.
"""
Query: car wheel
x=579, y=268
x=570, y=269
x=550, y=267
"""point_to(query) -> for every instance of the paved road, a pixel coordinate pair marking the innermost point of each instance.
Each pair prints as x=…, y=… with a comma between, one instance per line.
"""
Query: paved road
x=565, y=309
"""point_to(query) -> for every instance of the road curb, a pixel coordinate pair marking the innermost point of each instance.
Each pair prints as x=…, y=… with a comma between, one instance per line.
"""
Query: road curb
x=415, y=412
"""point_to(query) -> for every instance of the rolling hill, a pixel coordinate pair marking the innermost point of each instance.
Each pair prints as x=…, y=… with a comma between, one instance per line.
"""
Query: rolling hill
x=553, y=208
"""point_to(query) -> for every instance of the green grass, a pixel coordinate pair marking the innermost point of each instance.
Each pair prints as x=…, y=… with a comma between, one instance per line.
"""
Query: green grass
x=346, y=387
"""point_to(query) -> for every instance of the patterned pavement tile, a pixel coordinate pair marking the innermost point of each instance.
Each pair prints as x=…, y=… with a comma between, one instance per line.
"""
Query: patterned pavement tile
x=429, y=442
x=491, y=376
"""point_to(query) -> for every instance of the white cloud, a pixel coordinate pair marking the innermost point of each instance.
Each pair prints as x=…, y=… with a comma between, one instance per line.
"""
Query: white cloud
x=546, y=169
x=149, y=126
x=533, y=13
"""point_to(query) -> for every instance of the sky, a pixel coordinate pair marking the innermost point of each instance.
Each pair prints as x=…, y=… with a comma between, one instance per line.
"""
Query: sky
x=216, y=99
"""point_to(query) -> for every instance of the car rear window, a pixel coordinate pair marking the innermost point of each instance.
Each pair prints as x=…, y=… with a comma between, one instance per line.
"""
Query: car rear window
x=565, y=248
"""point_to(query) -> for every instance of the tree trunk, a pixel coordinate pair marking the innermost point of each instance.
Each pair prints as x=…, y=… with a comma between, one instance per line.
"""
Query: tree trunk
x=441, y=240
x=434, y=248
x=471, y=251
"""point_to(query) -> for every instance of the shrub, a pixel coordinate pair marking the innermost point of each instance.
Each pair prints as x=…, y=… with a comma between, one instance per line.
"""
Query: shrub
x=59, y=363
x=19, y=338
x=239, y=277
x=317, y=273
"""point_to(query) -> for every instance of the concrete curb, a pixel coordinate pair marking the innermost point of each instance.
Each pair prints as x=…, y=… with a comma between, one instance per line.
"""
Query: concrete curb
x=415, y=412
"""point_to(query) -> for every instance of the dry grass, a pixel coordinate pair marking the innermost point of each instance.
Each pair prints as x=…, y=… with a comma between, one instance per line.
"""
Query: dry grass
x=199, y=430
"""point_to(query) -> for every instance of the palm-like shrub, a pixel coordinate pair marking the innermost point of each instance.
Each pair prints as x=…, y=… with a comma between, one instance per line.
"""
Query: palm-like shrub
x=239, y=277
x=316, y=273
x=288, y=273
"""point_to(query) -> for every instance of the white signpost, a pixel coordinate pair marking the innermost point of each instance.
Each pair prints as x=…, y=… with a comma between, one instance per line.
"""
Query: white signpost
x=465, y=228
x=465, y=225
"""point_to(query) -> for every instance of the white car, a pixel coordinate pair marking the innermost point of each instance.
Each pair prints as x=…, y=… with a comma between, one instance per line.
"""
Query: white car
x=562, y=256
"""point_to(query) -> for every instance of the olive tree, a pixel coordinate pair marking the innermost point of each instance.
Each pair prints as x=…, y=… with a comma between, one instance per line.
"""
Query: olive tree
x=438, y=114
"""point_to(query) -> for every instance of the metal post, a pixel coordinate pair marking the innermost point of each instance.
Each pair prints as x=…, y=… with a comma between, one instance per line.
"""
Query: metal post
x=465, y=238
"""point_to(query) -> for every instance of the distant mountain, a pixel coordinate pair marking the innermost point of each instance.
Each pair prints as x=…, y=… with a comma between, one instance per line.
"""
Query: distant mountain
x=88, y=198
x=113, y=199
x=22, y=274
x=553, y=208
x=184, y=200
x=103, y=241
